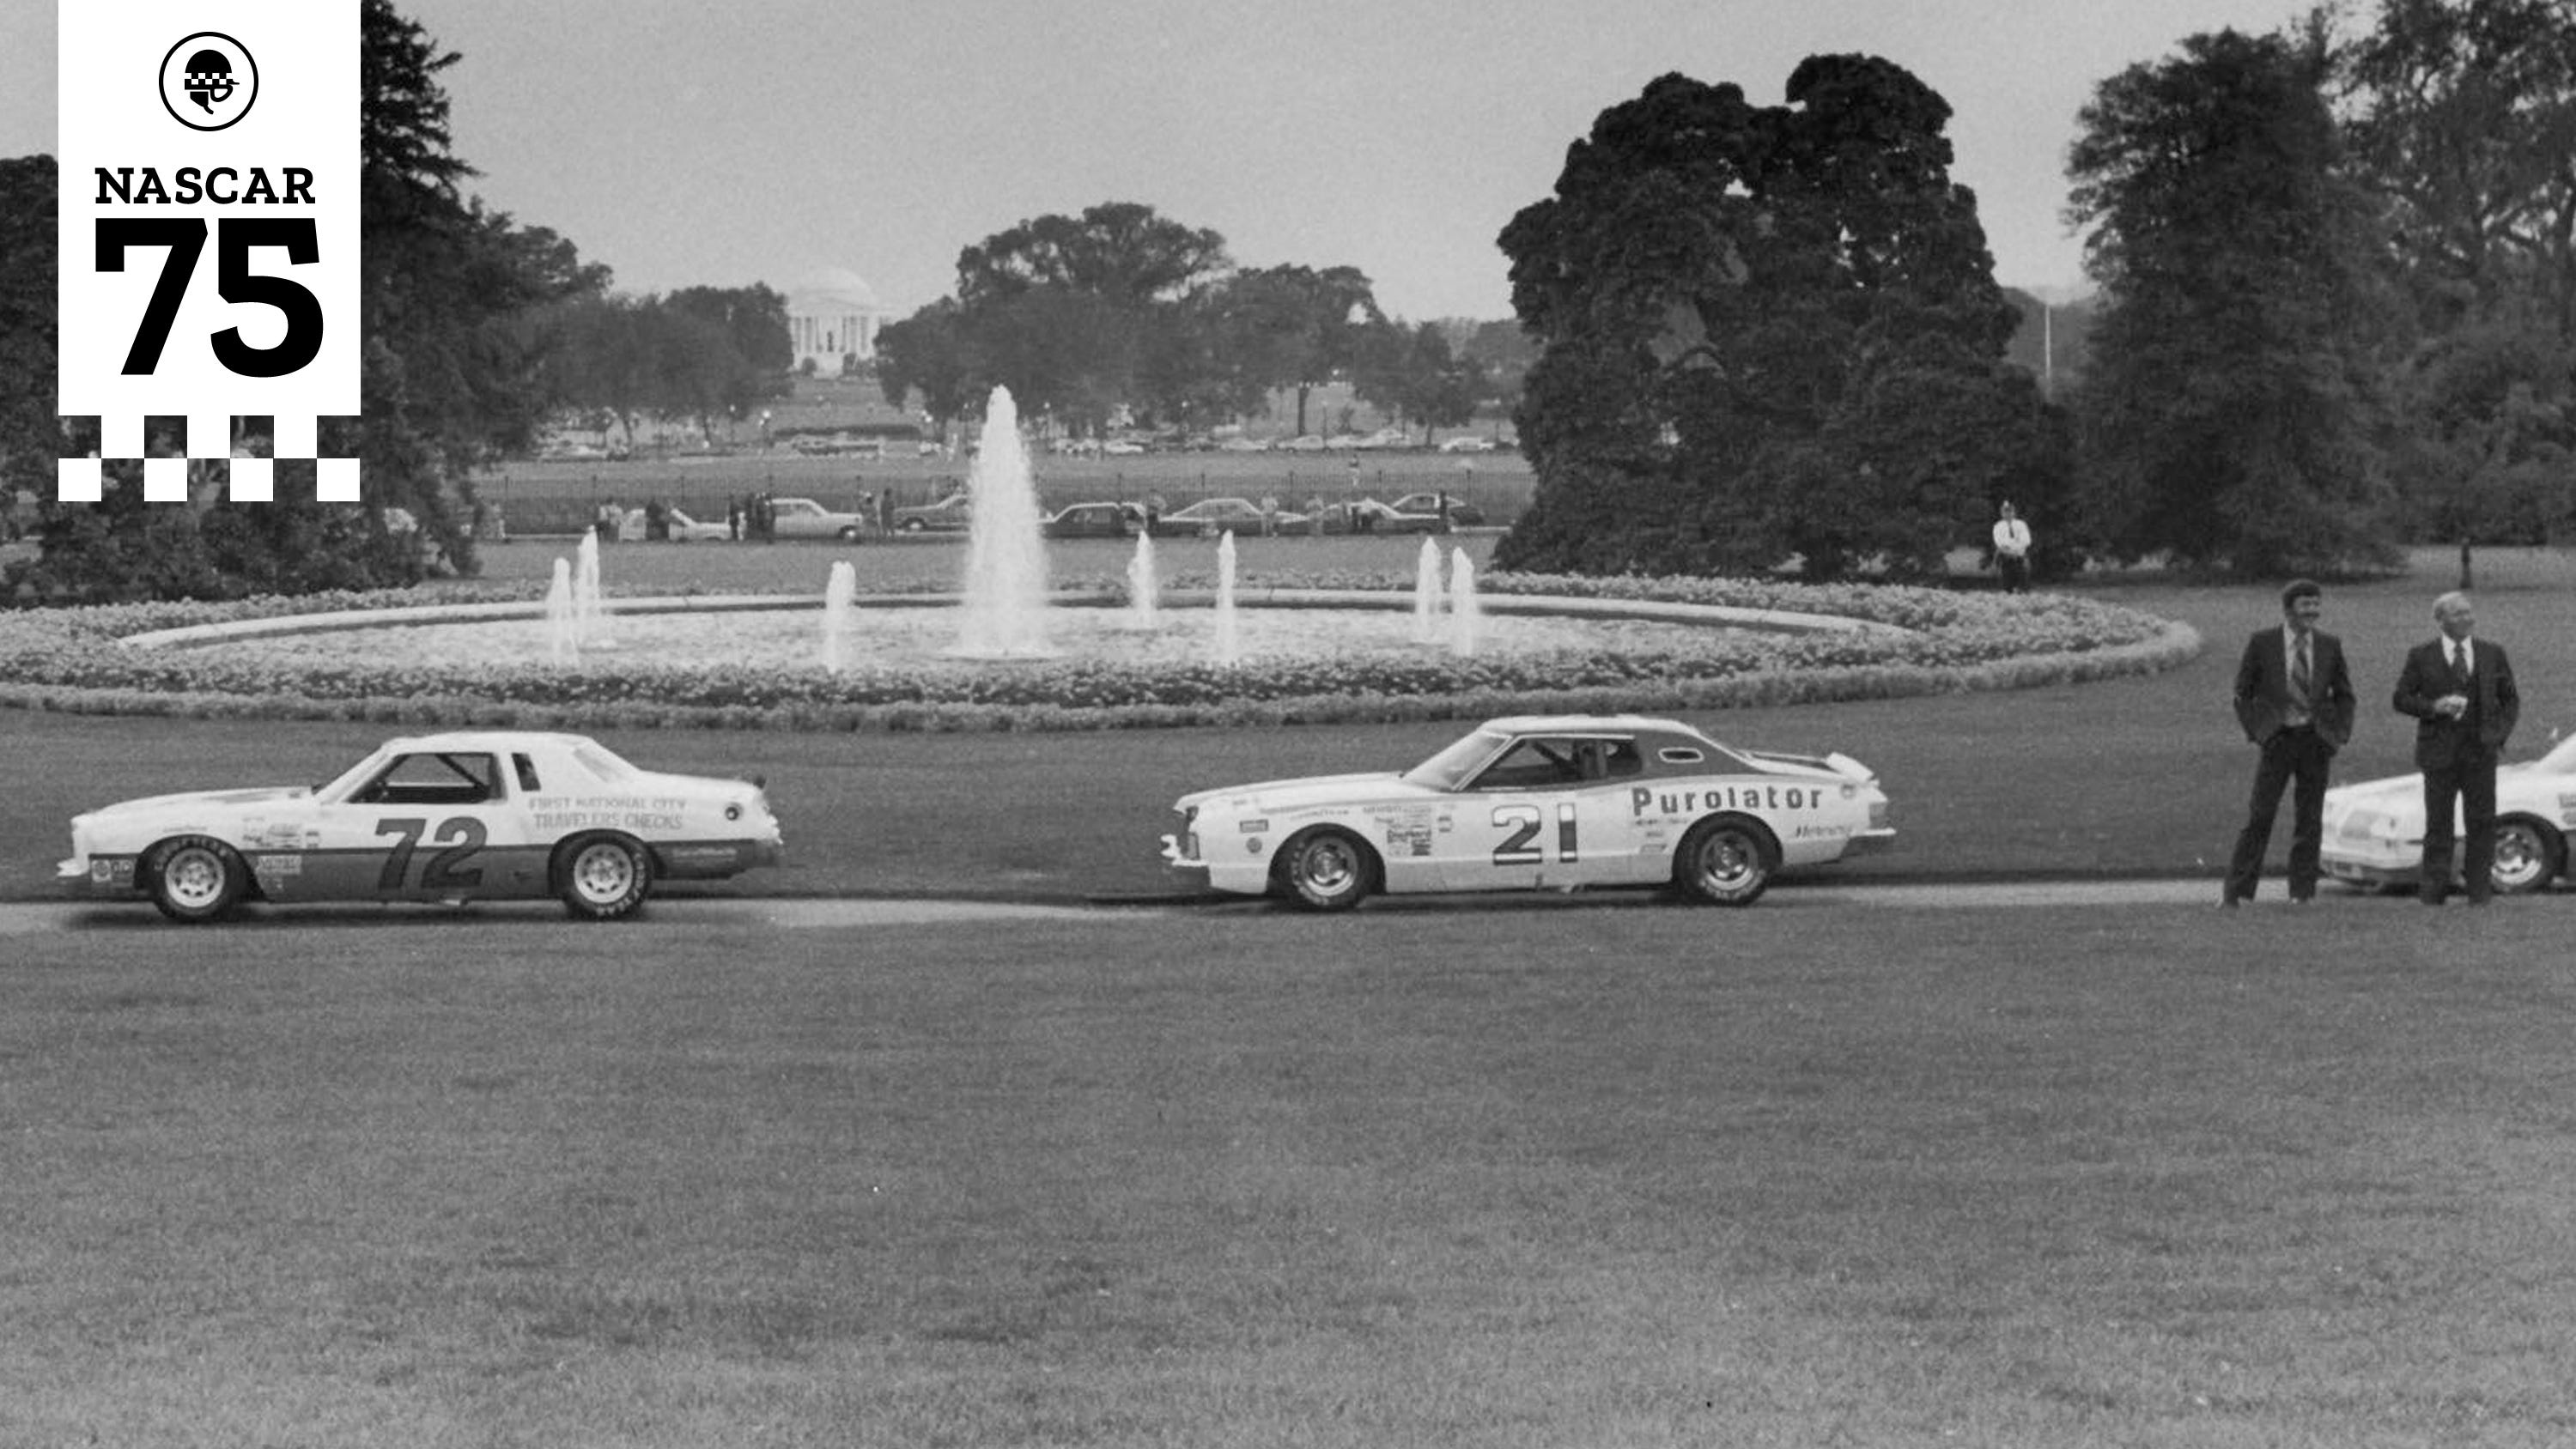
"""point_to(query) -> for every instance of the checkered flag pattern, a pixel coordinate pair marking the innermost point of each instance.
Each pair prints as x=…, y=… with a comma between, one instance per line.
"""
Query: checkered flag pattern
x=165, y=480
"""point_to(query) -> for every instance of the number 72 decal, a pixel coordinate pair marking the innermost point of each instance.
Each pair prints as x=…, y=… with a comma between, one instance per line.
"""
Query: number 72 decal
x=461, y=834
x=1523, y=821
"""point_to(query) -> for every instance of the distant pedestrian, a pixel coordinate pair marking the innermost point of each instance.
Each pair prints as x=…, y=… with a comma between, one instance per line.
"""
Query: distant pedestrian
x=733, y=517
x=2012, y=551
x=2294, y=700
x=1315, y=515
x=2461, y=692
x=1269, y=515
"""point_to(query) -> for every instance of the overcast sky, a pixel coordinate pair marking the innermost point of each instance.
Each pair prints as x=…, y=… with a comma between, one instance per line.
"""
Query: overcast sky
x=684, y=143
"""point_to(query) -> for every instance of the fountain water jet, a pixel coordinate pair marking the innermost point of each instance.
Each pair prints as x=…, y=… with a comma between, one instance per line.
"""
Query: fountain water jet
x=1004, y=611
x=589, y=617
x=1144, y=590
x=1463, y=613
x=1228, y=648
x=563, y=632
x=1426, y=595
x=840, y=615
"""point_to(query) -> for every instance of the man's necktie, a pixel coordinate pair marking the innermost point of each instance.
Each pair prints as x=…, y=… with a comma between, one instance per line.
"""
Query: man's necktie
x=2299, y=669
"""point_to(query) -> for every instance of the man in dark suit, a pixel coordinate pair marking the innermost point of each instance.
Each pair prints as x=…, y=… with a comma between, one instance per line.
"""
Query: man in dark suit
x=2294, y=698
x=2460, y=690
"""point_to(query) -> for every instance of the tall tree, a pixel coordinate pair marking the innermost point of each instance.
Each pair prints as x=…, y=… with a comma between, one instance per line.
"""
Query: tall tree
x=1725, y=296
x=2462, y=122
x=30, y=437
x=1289, y=327
x=929, y=354
x=2228, y=408
x=449, y=292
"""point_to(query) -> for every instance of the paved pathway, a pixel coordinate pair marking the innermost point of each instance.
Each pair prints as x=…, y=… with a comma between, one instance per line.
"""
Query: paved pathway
x=29, y=918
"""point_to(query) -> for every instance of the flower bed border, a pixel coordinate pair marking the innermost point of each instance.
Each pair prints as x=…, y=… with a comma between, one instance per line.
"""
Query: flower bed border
x=1928, y=642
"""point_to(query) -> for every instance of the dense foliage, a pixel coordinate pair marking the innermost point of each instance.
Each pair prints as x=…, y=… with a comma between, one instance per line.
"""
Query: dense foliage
x=71, y=659
x=2228, y=407
x=1121, y=313
x=1769, y=331
x=451, y=297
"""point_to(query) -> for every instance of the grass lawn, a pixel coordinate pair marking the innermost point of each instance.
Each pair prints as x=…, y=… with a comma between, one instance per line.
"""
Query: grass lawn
x=1547, y=1173
x=1559, y=1174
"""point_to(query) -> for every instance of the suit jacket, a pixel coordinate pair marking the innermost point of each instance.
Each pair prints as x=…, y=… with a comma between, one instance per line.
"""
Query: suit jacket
x=2263, y=687
x=2494, y=703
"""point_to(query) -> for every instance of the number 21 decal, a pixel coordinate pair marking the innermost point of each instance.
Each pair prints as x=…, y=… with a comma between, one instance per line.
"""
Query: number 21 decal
x=1519, y=848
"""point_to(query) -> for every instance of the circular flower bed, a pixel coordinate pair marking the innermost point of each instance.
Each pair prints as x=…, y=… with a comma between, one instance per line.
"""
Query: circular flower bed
x=74, y=659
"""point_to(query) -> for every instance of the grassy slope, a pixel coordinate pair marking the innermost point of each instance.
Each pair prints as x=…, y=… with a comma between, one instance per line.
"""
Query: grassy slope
x=1606, y=1175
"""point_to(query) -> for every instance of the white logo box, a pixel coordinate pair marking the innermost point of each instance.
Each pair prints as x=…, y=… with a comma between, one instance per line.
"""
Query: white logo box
x=235, y=125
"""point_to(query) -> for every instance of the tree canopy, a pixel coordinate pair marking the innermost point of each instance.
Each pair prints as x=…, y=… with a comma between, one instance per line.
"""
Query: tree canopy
x=1767, y=331
x=2230, y=407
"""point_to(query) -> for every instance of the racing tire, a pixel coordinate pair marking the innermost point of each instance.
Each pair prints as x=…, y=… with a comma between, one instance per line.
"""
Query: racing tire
x=602, y=877
x=195, y=880
x=1726, y=860
x=1326, y=870
x=849, y=535
x=913, y=525
x=2528, y=855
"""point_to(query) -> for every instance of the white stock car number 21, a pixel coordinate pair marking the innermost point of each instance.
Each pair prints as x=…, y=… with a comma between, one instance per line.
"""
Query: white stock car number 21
x=1556, y=802
x=467, y=815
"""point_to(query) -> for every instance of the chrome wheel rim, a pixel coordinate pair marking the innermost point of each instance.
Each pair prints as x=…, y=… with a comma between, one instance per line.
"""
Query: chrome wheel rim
x=194, y=878
x=1328, y=866
x=2519, y=857
x=603, y=874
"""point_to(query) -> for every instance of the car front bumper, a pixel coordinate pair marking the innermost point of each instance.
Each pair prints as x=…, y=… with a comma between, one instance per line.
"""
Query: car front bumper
x=96, y=875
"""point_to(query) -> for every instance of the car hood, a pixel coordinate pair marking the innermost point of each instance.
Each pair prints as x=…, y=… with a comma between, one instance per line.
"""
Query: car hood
x=2409, y=789
x=186, y=800
x=1313, y=790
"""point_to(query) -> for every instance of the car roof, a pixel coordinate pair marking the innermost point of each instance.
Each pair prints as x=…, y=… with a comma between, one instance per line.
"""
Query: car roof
x=1583, y=724
x=495, y=740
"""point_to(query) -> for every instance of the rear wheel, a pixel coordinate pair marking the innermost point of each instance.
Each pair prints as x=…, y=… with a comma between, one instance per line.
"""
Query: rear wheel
x=1727, y=861
x=1325, y=870
x=602, y=877
x=2528, y=854
x=196, y=880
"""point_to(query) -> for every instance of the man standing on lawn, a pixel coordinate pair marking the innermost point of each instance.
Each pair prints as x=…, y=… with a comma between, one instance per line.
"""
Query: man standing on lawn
x=2460, y=690
x=2012, y=552
x=2294, y=698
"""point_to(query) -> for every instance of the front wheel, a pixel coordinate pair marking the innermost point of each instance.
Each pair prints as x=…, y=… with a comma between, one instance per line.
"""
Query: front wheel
x=1726, y=862
x=602, y=877
x=2528, y=855
x=198, y=880
x=850, y=535
x=1325, y=870
x=913, y=525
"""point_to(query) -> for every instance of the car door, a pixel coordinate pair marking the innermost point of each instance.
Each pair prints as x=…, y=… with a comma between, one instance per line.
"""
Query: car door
x=429, y=825
x=1549, y=811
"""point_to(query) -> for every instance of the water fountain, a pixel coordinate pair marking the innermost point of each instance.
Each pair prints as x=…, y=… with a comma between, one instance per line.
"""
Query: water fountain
x=1004, y=612
x=1144, y=590
x=563, y=631
x=589, y=617
x=840, y=615
x=1228, y=647
x=1426, y=594
x=1463, y=613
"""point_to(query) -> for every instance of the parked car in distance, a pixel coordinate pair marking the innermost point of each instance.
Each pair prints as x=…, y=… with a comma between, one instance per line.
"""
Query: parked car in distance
x=679, y=525
x=2375, y=828
x=952, y=514
x=1367, y=515
x=1211, y=516
x=1560, y=802
x=1467, y=443
x=805, y=518
x=1244, y=445
x=1095, y=520
x=1122, y=448
x=459, y=815
x=1461, y=513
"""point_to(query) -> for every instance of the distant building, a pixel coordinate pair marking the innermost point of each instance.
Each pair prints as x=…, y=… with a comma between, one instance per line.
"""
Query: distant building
x=832, y=316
